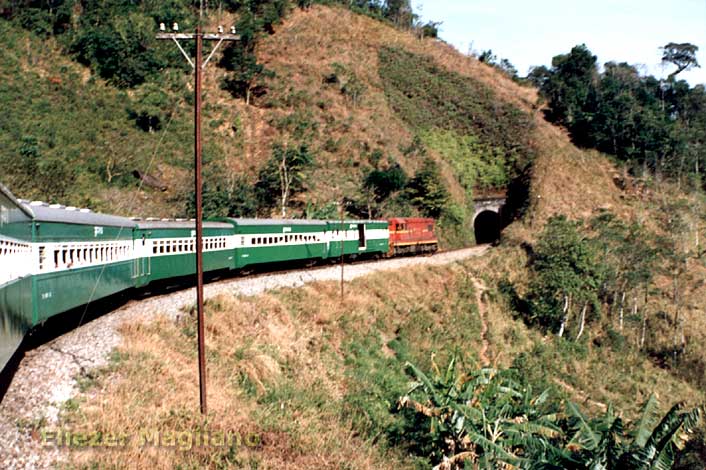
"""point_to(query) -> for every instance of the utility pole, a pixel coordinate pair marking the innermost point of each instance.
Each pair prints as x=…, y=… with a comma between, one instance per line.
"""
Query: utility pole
x=343, y=239
x=198, y=65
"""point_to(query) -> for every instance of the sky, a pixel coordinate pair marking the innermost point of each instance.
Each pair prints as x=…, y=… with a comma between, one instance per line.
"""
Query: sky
x=531, y=32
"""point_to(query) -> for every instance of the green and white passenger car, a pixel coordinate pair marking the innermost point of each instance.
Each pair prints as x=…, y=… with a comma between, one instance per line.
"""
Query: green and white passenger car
x=265, y=241
x=358, y=237
x=166, y=249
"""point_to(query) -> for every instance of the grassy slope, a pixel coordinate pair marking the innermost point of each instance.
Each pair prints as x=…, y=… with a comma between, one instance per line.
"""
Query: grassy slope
x=239, y=137
x=318, y=380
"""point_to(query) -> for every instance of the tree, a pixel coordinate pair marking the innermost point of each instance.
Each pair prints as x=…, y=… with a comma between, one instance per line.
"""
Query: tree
x=430, y=29
x=385, y=182
x=487, y=57
x=570, y=84
x=283, y=176
x=565, y=273
x=224, y=197
x=151, y=108
x=427, y=191
x=683, y=55
x=121, y=48
x=399, y=12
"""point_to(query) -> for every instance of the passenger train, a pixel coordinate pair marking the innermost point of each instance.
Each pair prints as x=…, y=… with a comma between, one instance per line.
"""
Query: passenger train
x=55, y=258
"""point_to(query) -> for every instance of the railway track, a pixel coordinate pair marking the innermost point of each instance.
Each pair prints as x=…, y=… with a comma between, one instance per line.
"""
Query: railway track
x=45, y=378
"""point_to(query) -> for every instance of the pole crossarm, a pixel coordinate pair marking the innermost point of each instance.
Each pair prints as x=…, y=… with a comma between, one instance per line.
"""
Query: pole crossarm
x=206, y=37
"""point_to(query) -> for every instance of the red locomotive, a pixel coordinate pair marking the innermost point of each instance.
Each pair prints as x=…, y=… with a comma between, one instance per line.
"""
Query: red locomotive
x=411, y=235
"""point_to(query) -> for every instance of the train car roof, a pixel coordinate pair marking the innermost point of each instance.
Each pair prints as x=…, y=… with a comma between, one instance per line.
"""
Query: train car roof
x=276, y=222
x=357, y=221
x=411, y=219
x=56, y=213
x=176, y=224
x=8, y=194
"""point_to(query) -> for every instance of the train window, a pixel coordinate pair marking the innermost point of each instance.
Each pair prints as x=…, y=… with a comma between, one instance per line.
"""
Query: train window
x=56, y=258
x=161, y=247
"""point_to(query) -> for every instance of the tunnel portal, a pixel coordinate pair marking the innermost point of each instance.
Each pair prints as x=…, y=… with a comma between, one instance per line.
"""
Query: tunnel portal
x=487, y=227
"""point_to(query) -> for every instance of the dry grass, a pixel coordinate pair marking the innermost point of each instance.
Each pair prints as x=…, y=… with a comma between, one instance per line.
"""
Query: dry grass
x=280, y=367
x=302, y=52
x=256, y=346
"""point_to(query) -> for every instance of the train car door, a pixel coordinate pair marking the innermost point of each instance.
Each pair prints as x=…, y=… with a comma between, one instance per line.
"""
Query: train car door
x=142, y=263
x=362, y=242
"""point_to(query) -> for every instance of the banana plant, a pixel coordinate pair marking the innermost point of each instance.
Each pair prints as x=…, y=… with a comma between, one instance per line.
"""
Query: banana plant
x=485, y=417
x=604, y=443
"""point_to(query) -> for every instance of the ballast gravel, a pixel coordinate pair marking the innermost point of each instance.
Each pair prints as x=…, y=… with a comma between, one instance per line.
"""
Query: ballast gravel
x=46, y=377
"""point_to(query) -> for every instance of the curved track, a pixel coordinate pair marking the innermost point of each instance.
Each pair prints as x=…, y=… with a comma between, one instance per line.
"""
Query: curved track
x=45, y=377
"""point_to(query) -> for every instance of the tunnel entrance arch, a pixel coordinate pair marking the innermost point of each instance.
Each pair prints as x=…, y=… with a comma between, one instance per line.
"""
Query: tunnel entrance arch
x=486, y=227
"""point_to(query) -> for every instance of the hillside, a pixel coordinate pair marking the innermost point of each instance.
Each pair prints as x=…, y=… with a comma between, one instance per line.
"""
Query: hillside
x=316, y=57
x=360, y=102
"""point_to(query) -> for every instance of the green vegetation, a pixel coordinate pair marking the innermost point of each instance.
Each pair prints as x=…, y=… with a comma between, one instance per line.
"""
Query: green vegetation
x=476, y=166
x=429, y=98
x=486, y=143
x=655, y=126
x=488, y=418
x=606, y=268
x=283, y=176
x=66, y=140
